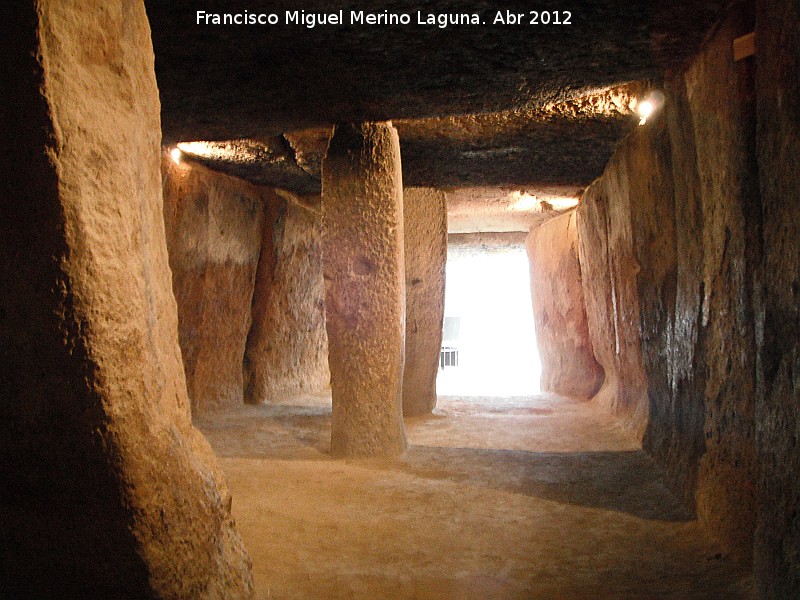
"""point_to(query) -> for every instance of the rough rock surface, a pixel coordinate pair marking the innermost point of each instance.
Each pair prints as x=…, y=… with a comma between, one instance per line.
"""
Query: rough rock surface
x=677, y=214
x=425, y=242
x=612, y=308
x=292, y=77
x=721, y=102
x=569, y=367
x=533, y=147
x=108, y=491
x=287, y=348
x=214, y=226
x=269, y=162
x=460, y=244
x=641, y=226
x=505, y=209
x=681, y=441
x=777, y=543
x=481, y=105
x=362, y=199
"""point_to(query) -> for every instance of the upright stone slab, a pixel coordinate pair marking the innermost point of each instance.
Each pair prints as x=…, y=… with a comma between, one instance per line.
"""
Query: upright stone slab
x=107, y=490
x=721, y=105
x=611, y=304
x=776, y=556
x=674, y=226
x=569, y=367
x=364, y=271
x=214, y=225
x=426, y=256
x=287, y=348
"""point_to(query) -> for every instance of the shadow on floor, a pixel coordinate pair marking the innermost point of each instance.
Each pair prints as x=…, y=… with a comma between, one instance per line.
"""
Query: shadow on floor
x=269, y=431
x=623, y=481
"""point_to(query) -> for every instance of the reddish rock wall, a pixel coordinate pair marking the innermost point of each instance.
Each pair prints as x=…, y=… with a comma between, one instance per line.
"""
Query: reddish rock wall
x=569, y=367
x=777, y=545
x=612, y=307
x=287, y=348
x=214, y=225
x=641, y=228
x=108, y=491
x=677, y=214
x=425, y=223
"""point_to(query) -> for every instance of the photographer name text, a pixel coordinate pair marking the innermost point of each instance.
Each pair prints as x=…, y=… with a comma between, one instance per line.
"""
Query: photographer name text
x=311, y=20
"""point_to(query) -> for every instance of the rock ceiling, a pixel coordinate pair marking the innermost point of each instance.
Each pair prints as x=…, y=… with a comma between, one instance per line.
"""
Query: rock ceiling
x=506, y=107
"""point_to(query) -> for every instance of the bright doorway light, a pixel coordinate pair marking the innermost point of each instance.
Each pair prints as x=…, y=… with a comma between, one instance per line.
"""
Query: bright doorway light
x=489, y=323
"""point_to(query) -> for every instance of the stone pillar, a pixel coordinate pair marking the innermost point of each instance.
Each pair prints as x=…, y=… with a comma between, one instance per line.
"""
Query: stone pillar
x=364, y=271
x=107, y=489
x=426, y=256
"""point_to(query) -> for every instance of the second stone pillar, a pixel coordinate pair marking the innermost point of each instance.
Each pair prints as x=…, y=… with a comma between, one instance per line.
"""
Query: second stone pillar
x=362, y=197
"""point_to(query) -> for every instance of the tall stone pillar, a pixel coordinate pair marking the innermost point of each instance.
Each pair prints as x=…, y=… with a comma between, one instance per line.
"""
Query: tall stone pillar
x=426, y=257
x=362, y=199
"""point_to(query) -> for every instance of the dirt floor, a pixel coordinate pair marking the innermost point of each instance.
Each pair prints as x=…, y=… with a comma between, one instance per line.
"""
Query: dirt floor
x=526, y=497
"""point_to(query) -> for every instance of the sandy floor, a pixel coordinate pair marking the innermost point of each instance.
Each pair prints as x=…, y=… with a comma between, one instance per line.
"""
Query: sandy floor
x=536, y=497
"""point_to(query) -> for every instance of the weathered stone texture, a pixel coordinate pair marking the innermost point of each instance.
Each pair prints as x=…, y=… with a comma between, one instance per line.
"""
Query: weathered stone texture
x=612, y=305
x=641, y=229
x=108, y=490
x=676, y=211
x=425, y=227
x=362, y=199
x=679, y=441
x=599, y=299
x=721, y=103
x=569, y=367
x=287, y=349
x=461, y=244
x=777, y=540
x=410, y=71
x=214, y=226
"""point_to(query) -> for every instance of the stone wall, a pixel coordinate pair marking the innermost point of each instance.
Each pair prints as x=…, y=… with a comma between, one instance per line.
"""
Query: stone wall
x=612, y=308
x=425, y=243
x=693, y=213
x=287, y=348
x=108, y=491
x=214, y=226
x=247, y=275
x=777, y=543
x=721, y=105
x=569, y=367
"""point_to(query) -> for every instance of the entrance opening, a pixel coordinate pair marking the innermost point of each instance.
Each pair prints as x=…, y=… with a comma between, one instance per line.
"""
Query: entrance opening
x=489, y=341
